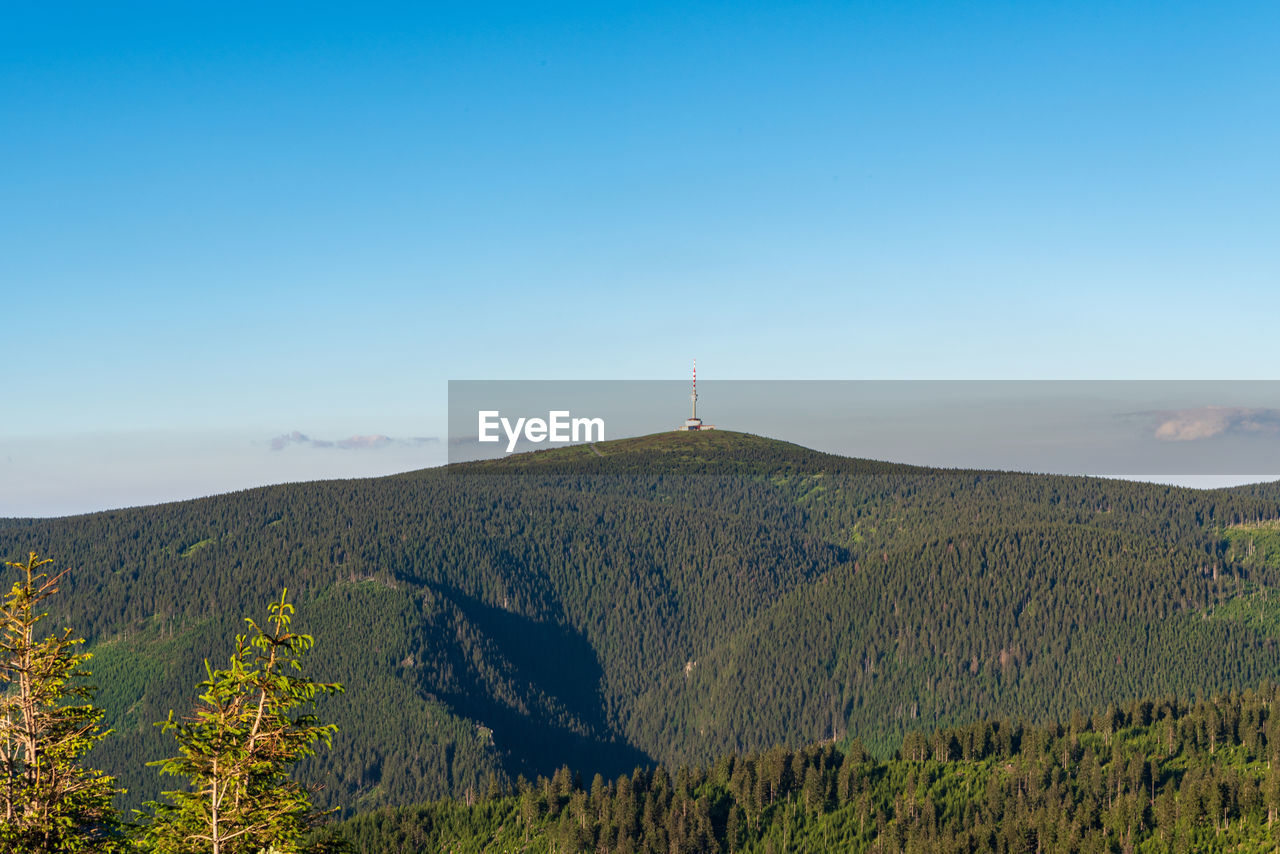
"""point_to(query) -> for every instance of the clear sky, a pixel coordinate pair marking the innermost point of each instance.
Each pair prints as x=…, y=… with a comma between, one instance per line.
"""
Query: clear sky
x=221, y=223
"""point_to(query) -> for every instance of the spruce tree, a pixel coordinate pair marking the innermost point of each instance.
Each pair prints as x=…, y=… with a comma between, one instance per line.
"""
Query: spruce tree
x=251, y=723
x=49, y=802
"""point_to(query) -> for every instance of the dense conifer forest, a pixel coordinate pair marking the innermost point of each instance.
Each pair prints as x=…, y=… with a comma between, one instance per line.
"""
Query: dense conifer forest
x=671, y=600
x=1153, y=775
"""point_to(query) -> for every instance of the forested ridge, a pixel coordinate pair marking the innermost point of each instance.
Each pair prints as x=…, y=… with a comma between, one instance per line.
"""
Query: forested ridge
x=672, y=599
x=1152, y=775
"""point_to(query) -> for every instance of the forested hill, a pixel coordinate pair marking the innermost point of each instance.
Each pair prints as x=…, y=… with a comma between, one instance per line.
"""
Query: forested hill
x=670, y=598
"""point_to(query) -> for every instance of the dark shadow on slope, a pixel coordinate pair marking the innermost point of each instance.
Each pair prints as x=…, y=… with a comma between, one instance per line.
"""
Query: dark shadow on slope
x=568, y=727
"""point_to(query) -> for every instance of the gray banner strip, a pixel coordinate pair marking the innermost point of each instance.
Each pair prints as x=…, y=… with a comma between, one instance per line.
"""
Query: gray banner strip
x=1124, y=428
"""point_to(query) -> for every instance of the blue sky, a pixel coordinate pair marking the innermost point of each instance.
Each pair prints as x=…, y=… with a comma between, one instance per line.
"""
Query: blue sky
x=221, y=223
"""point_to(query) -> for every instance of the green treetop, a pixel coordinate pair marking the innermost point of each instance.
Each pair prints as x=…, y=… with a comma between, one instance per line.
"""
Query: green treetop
x=248, y=727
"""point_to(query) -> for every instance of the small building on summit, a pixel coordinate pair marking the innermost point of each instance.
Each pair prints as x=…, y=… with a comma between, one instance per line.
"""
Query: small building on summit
x=693, y=422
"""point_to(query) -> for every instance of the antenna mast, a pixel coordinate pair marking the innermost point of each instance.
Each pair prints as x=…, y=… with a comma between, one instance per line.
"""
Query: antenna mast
x=695, y=390
x=693, y=422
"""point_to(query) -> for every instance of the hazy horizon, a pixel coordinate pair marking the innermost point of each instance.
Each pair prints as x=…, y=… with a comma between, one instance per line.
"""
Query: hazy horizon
x=220, y=474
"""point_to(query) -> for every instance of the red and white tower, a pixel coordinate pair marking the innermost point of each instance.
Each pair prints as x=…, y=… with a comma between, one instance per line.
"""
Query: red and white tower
x=694, y=422
x=694, y=417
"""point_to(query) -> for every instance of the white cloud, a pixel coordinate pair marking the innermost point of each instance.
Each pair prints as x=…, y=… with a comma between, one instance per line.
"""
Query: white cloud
x=372, y=441
x=1207, y=422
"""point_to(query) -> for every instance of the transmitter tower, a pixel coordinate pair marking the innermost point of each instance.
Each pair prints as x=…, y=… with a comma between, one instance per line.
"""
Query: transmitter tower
x=693, y=422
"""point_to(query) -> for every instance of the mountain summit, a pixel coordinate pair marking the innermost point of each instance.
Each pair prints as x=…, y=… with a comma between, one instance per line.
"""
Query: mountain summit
x=677, y=452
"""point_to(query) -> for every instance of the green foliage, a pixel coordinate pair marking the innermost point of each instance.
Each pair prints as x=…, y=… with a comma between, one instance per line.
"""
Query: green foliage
x=1259, y=609
x=248, y=727
x=1148, y=776
x=1255, y=544
x=49, y=802
x=675, y=598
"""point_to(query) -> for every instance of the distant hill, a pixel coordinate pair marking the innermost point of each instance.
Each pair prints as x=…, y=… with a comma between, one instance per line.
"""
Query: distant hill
x=670, y=598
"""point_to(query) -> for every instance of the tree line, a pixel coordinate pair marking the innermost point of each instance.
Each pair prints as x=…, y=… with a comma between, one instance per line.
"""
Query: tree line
x=1162, y=775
